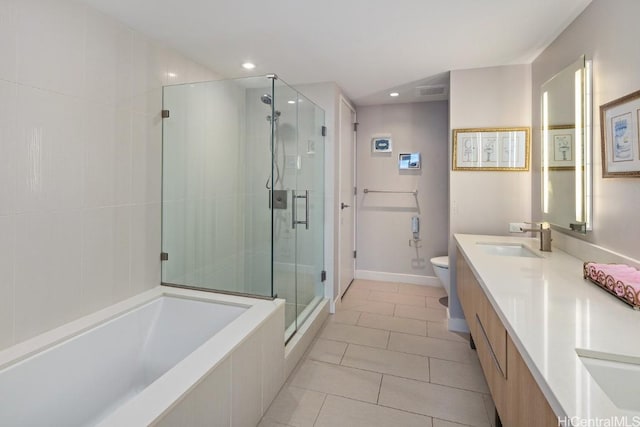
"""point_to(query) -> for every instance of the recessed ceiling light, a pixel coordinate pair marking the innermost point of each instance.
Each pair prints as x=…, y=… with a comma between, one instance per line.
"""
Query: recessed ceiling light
x=172, y=75
x=248, y=65
x=394, y=94
x=292, y=102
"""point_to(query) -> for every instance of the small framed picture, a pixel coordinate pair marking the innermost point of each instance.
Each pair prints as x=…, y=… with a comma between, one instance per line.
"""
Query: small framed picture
x=619, y=124
x=409, y=161
x=381, y=144
x=491, y=149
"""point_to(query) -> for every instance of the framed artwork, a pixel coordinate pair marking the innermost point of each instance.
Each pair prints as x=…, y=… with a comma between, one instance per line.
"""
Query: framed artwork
x=619, y=132
x=491, y=149
x=562, y=147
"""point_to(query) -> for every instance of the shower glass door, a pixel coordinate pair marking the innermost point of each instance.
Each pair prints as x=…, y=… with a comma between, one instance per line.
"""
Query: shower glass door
x=298, y=229
x=310, y=184
x=216, y=221
x=243, y=192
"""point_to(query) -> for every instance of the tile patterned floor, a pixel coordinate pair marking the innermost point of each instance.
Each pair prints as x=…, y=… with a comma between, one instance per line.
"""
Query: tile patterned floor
x=384, y=359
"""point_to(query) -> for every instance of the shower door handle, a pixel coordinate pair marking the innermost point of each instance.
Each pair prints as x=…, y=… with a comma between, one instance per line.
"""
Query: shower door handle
x=306, y=209
x=294, y=210
x=294, y=203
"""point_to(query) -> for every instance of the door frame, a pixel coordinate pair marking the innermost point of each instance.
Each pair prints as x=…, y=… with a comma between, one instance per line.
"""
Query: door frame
x=344, y=101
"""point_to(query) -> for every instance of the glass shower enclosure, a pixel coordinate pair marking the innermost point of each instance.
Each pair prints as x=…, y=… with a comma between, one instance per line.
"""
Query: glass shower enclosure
x=243, y=192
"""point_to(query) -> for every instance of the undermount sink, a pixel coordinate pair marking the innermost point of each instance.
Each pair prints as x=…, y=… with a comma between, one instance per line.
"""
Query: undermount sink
x=507, y=249
x=618, y=376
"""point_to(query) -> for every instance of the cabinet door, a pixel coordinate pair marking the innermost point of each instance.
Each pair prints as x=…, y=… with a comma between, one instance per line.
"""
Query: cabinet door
x=492, y=372
x=527, y=406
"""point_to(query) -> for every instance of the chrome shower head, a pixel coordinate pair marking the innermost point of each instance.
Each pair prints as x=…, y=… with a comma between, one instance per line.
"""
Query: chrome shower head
x=266, y=99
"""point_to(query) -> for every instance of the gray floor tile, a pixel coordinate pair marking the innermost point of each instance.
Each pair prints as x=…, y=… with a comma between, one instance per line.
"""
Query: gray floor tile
x=338, y=411
x=367, y=306
x=420, y=313
x=423, y=290
x=355, y=335
x=396, y=298
x=338, y=380
x=431, y=347
x=439, y=330
x=295, y=406
x=349, y=317
x=392, y=323
x=434, y=400
x=373, y=285
x=328, y=351
x=467, y=376
x=387, y=362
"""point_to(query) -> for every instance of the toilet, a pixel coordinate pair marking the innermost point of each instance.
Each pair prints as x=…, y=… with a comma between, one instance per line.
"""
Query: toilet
x=441, y=267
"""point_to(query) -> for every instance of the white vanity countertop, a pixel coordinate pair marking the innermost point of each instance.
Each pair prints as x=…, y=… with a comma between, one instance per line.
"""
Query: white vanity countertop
x=549, y=310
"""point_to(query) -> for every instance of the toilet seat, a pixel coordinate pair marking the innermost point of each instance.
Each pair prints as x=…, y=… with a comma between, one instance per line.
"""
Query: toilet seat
x=441, y=261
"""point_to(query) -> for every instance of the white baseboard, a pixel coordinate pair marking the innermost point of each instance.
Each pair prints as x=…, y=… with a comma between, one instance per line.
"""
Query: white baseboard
x=381, y=276
x=457, y=325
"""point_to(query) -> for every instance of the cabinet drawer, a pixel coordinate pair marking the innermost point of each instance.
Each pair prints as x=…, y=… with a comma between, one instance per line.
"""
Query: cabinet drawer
x=496, y=380
x=493, y=329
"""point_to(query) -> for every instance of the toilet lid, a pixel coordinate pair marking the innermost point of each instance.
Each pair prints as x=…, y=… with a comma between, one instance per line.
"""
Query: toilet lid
x=441, y=261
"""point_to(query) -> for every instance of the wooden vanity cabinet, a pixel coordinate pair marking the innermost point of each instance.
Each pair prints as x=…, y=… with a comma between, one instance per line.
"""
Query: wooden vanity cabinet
x=517, y=397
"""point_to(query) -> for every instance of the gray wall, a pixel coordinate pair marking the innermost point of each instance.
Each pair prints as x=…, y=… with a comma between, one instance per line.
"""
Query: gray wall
x=384, y=220
x=607, y=32
x=485, y=202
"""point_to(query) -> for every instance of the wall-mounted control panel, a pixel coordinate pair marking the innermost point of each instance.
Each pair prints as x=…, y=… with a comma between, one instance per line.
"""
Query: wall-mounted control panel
x=381, y=145
x=409, y=161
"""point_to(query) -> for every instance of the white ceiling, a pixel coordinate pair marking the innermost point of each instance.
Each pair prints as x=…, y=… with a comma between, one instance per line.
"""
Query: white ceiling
x=368, y=47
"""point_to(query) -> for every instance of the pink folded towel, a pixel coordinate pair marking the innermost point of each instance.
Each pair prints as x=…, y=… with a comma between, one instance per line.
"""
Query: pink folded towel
x=620, y=280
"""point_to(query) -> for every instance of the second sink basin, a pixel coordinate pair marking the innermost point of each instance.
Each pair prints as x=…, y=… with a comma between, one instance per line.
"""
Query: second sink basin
x=507, y=249
x=617, y=376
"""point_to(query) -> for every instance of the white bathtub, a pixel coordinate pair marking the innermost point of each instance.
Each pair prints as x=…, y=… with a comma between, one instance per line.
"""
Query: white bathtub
x=147, y=361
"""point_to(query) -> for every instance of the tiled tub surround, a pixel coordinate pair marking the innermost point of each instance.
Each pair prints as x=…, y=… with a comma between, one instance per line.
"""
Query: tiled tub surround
x=385, y=359
x=80, y=161
x=549, y=310
x=164, y=357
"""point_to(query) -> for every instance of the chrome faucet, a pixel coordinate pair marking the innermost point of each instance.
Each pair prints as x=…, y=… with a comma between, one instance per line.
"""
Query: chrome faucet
x=545, y=235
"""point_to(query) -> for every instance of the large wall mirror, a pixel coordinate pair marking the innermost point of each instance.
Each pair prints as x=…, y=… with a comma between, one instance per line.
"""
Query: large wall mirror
x=566, y=148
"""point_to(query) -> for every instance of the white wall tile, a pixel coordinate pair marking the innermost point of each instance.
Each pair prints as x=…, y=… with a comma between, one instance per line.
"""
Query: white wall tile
x=149, y=67
x=105, y=256
x=146, y=170
x=80, y=162
x=145, y=247
x=108, y=161
x=51, y=45
x=102, y=57
x=47, y=271
x=8, y=147
x=7, y=243
x=7, y=40
x=50, y=154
